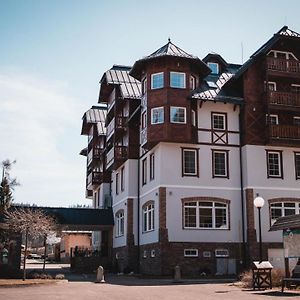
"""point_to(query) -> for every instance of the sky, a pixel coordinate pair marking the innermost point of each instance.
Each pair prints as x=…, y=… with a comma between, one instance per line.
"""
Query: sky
x=54, y=52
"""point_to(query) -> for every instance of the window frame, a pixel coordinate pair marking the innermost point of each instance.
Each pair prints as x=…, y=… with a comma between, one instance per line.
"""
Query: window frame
x=120, y=223
x=297, y=86
x=296, y=118
x=213, y=208
x=161, y=108
x=192, y=82
x=226, y=166
x=219, y=114
x=280, y=167
x=152, y=166
x=297, y=172
x=184, y=80
x=148, y=218
x=144, y=85
x=282, y=209
x=177, y=107
x=196, y=161
x=144, y=120
x=122, y=179
x=209, y=64
x=152, y=81
x=117, y=183
x=186, y=254
x=270, y=117
x=144, y=171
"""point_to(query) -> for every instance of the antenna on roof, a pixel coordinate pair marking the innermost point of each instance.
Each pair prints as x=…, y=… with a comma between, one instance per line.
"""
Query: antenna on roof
x=242, y=49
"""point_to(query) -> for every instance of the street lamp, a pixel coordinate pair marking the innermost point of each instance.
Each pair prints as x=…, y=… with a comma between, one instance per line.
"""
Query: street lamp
x=259, y=203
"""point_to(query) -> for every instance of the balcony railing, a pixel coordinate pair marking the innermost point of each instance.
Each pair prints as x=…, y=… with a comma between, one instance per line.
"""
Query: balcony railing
x=94, y=154
x=283, y=65
x=143, y=136
x=116, y=153
x=95, y=177
x=110, y=128
x=284, y=99
x=288, y=132
x=120, y=122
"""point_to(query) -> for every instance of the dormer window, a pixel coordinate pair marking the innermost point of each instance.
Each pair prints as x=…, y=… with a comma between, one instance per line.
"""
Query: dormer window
x=214, y=67
x=192, y=82
x=177, y=80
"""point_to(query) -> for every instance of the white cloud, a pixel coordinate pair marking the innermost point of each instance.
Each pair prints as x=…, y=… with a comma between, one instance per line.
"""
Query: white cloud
x=39, y=126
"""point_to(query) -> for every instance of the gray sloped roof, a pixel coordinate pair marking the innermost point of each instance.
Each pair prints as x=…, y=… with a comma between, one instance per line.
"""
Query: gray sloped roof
x=119, y=75
x=288, y=222
x=212, y=88
x=95, y=115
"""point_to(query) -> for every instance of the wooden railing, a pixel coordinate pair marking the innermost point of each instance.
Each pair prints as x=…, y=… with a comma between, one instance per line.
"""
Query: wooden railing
x=284, y=99
x=283, y=65
x=285, y=132
x=120, y=122
x=95, y=177
x=120, y=152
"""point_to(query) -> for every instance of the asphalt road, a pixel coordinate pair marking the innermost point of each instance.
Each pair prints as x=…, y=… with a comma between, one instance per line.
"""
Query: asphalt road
x=138, y=289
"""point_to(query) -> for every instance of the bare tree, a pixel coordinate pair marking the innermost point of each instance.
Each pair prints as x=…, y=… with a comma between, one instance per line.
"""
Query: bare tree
x=7, y=185
x=30, y=222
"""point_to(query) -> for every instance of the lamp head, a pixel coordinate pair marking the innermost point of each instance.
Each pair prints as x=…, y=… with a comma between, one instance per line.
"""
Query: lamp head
x=259, y=202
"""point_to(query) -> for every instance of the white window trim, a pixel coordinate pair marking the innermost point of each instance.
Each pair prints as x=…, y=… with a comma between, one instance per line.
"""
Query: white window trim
x=152, y=166
x=157, y=108
x=287, y=53
x=177, y=107
x=282, y=208
x=279, y=164
x=223, y=115
x=195, y=161
x=186, y=254
x=120, y=216
x=213, y=216
x=214, y=63
x=226, y=164
x=296, y=118
x=272, y=116
x=148, y=211
x=193, y=115
x=297, y=177
x=154, y=74
x=295, y=84
x=184, y=80
x=218, y=254
x=192, y=82
x=274, y=84
x=206, y=254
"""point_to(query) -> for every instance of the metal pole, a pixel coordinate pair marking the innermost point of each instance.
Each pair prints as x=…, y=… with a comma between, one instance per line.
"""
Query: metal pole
x=260, y=242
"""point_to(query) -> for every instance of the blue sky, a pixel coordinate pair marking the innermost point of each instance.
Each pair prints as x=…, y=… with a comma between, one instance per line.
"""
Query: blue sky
x=53, y=54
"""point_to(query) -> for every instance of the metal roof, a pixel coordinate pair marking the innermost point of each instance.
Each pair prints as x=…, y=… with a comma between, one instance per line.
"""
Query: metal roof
x=95, y=115
x=288, y=32
x=75, y=218
x=84, y=151
x=171, y=50
x=119, y=75
x=288, y=222
x=212, y=87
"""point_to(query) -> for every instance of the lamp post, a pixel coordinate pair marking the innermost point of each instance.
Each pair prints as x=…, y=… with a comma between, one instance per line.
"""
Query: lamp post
x=259, y=203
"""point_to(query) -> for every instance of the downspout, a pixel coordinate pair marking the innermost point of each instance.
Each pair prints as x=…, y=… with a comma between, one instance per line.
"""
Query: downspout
x=242, y=194
x=138, y=213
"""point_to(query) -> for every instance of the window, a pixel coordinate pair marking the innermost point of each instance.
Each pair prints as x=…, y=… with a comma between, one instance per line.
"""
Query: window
x=157, y=81
x=281, y=209
x=296, y=121
x=214, y=67
x=120, y=223
x=218, y=121
x=273, y=120
x=190, y=252
x=148, y=217
x=193, y=118
x=144, y=171
x=144, y=119
x=221, y=253
x=152, y=168
x=122, y=179
x=271, y=86
x=190, y=162
x=177, y=115
x=295, y=88
x=274, y=164
x=117, y=183
x=207, y=215
x=206, y=254
x=192, y=82
x=297, y=165
x=157, y=115
x=144, y=86
x=220, y=163
x=177, y=80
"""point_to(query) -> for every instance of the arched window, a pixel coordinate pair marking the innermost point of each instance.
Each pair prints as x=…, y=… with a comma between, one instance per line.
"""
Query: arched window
x=148, y=216
x=205, y=214
x=119, y=223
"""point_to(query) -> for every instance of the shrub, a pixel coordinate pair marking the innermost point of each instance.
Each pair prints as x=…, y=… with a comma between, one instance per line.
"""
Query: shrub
x=60, y=276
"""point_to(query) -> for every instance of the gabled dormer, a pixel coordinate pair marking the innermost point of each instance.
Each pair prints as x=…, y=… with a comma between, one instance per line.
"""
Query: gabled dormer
x=216, y=63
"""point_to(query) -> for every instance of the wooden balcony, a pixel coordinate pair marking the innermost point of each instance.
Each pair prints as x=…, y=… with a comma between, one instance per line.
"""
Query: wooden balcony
x=121, y=152
x=285, y=133
x=283, y=67
x=96, y=178
x=284, y=100
x=116, y=156
x=94, y=154
x=120, y=122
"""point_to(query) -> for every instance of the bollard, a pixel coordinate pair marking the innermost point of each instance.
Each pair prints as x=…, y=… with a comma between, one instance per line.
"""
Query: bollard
x=100, y=275
x=177, y=274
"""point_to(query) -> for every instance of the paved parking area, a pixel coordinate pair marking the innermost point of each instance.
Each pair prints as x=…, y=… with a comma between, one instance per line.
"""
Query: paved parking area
x=138, y=289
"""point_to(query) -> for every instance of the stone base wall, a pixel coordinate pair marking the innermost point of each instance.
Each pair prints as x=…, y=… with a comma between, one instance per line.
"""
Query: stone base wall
x=124, y=259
